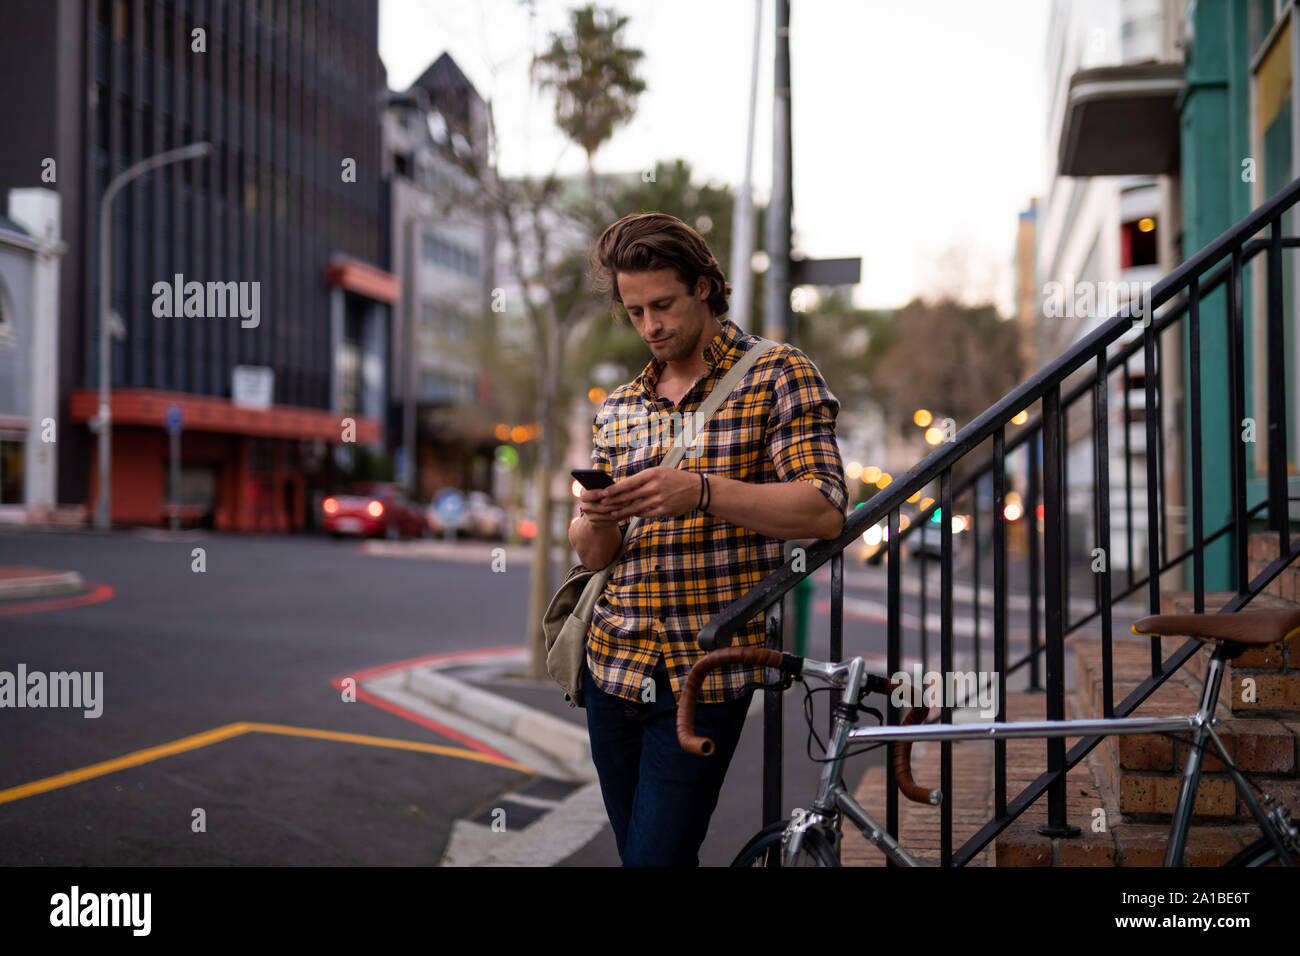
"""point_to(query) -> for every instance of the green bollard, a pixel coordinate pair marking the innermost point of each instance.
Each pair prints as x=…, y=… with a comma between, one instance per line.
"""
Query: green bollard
x=802, y=608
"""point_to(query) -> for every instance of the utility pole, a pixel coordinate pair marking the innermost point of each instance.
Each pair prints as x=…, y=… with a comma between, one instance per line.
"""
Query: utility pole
x=107, y=324
x=742, y=220
x=778, y=325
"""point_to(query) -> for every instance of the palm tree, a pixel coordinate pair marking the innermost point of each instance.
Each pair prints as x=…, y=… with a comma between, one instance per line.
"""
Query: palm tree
x=592, y=73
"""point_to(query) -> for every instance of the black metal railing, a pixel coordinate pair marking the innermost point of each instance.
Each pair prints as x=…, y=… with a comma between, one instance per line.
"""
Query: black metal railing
x=1080, y=377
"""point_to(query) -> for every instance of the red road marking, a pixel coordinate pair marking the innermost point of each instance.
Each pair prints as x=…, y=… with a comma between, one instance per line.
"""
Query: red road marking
x=411, y=715
x=102, y=592
x=447, y=658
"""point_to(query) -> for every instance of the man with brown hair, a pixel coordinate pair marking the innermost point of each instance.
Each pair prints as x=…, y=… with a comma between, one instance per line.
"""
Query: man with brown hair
x=765, y=469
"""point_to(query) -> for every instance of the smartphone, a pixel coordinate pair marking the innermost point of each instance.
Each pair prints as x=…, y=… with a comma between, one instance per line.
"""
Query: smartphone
x=592, y=478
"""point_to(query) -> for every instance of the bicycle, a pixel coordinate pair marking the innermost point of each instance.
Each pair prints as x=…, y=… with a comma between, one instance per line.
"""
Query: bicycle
x=811, y=837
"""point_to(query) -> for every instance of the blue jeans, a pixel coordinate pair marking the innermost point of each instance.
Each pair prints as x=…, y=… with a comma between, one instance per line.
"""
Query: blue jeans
x=659, y=798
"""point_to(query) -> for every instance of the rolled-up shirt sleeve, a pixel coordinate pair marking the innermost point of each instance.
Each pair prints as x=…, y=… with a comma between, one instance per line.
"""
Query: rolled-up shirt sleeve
x=801, y=430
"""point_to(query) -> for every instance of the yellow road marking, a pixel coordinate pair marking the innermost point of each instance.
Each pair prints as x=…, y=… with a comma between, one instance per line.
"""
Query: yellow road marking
x=122, y=763
x=218, y=734
x=391, y=742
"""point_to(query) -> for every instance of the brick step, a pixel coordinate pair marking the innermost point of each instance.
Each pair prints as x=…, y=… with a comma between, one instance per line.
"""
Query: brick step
x=1262, y=548
x=1124, y=844
x=1143, y=770
x=1107, y=836
x=1273, y=670
x=972, y=801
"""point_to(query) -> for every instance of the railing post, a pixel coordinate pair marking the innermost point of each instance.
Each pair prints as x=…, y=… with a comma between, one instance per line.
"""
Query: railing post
x=975, y=568
x=1194, y=398
x=1237, y=402
x=773, y=727
x=1101, y=492
x=1149, y=413
x=1054, y=632
x=1278, y=518
x=1034, y=449
x=1130, y=542
x=1000, y=614
x=945, y=663
x=837, y=621
x=893, y=655
x=922, y=603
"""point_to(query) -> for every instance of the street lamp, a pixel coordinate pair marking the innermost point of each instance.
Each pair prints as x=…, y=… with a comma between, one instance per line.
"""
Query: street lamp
x=104, y=415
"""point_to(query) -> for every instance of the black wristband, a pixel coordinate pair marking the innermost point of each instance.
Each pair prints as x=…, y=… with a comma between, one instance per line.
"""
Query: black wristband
x=708, y=494
x=699, y=505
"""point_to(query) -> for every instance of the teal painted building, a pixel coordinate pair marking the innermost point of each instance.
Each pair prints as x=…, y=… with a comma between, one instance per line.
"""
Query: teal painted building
x=1238, y=139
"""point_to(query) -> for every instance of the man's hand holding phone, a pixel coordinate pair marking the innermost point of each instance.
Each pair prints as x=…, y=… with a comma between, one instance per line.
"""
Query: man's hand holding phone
x=594, y=483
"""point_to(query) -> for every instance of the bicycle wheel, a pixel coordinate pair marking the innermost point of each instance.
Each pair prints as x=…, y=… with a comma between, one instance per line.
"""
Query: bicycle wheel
x=815, y=850
x=1260, y=853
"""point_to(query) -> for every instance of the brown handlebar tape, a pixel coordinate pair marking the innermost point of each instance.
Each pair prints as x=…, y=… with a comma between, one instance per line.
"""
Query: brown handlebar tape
x=907, y=784
x=703, y=746
x=766, y=657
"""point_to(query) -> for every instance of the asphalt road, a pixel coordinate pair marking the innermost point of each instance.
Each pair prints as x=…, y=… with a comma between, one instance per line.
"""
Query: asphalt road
x=259, y=638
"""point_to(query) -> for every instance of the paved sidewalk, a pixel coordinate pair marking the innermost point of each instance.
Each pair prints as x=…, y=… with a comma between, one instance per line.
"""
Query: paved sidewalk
x=499, y=696
x=20, y=583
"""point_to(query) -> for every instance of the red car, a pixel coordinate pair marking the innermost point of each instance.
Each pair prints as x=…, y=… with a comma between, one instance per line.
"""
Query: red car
x=373, y=509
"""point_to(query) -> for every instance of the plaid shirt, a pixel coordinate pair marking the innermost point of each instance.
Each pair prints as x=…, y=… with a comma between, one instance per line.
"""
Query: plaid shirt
x=677, y=573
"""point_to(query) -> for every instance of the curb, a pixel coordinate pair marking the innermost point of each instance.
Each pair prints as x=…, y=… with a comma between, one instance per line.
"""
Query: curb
x=20, y=583
x=558, y=738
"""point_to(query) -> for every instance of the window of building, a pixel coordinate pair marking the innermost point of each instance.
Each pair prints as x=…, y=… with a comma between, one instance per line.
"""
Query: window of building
x=1137, y=246
x=11, y=472
x=8, y=328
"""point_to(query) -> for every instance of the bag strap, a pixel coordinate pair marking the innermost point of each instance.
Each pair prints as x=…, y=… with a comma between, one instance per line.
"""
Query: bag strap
x=717, y=395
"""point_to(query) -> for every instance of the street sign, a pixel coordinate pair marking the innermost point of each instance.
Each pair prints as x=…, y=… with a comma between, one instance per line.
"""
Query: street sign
x=450, y=506
x=252, y=386
x=174, y=420
x=825, y=271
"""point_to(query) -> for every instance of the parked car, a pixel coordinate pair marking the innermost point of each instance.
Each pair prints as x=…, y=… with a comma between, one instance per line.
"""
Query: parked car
x=371, y=509
x=487, y=519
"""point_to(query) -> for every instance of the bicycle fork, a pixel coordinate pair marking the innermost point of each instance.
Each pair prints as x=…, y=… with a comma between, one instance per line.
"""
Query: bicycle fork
x=831, y=797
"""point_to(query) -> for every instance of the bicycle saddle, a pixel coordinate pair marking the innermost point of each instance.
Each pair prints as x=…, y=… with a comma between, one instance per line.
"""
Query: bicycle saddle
x=1254, y=628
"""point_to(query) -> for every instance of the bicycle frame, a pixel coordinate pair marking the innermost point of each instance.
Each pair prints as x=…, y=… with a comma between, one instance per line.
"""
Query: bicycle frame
x=832, y=799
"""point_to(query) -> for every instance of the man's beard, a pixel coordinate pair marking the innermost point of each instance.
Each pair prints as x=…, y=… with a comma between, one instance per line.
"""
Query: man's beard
x=679, y=348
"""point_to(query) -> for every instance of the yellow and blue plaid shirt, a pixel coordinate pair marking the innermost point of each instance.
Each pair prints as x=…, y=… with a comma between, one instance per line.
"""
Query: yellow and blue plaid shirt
x=676, y=573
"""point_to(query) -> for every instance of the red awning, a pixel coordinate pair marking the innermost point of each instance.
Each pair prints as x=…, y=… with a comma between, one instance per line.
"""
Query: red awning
x=148, y=406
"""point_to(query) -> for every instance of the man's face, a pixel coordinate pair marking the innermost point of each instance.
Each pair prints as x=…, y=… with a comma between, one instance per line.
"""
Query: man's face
x=664, y=313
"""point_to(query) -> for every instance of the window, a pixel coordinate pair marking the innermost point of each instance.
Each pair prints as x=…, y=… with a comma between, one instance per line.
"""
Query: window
x=8, y=329
x=1138, y=246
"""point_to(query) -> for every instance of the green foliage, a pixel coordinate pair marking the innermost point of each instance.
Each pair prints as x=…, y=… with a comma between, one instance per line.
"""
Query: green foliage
x=951, y=359
x=593, y=76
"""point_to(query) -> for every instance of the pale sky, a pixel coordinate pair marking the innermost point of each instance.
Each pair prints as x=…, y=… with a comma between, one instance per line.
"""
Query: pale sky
x=918, y=128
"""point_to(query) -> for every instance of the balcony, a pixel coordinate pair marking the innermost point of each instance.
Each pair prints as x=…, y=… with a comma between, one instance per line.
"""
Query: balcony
x=1121, y=121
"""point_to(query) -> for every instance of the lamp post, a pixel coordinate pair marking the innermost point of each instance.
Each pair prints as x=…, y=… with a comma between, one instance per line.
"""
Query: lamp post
x=104, y=415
